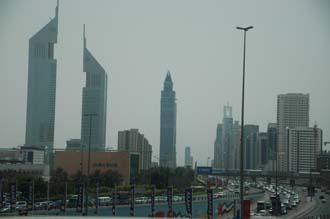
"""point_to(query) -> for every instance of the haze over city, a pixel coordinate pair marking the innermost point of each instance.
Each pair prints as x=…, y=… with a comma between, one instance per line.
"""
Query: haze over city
x=137, y=42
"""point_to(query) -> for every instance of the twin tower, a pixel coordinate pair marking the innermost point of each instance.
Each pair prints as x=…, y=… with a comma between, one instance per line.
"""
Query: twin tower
x=40, y=115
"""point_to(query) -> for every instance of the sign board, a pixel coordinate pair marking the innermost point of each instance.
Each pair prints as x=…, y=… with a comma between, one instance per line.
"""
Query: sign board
x=153, y=194
x=204, y=170
x=12, y=195
x=170, y=198
x=80, y=196
x=209, y=203
x=30, y=196
x=1, y=194
x=188, y=201
x=132, y=200
x=247, y=206
x=114, y=200
x=237, y=208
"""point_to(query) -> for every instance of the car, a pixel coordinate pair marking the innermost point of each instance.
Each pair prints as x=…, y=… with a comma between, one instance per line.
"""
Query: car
x=283, y=209
x=6, y=208
x=21, y=205
x=324, y=201
x=321, y=197
x=176, y=198
x=104, y=201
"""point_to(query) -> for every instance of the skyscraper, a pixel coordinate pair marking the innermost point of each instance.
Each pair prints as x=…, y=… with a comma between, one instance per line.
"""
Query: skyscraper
x=263, y=150
x=236, y=144
x=188, y=159
x=251, y=134
x=227, y=137
x=292, y=112
x=218, y=150
x=40, y=114
x=94, y=102
x=167, y=154
x=272, y=144
x=226, y=144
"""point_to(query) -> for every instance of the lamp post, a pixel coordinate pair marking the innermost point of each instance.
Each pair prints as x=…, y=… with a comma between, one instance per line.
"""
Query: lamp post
x=90, y=115
x=245, y=29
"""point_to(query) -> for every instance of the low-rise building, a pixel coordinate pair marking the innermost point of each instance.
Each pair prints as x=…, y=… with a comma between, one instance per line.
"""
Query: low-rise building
x=73, y=145
x=24, y=160
x=123, y=162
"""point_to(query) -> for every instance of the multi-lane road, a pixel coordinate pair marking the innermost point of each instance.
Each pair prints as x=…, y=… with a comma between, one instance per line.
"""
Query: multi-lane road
x=321, y=207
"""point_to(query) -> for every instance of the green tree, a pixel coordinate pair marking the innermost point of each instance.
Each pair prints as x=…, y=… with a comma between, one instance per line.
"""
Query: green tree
x=59, y=176
x=111, y=178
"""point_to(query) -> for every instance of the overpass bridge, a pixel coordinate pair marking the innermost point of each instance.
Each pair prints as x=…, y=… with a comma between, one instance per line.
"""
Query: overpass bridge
x=322, y=177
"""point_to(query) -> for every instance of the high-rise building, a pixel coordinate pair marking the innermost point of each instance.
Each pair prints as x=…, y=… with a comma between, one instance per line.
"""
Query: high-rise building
x=188, y=159
x=226, y=145
x=134, y=142
x=292, y=112
x=41, y=93
x=94, y=103
x=251, y=134
x=218, y=158
x=305, y=145
x=236, y=144
x=167, y=154
x=263, y=150
x=227, y=137
x=272, y=140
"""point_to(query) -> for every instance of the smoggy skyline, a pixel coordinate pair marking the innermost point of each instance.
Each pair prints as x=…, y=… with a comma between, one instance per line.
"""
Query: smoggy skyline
x=138, y=41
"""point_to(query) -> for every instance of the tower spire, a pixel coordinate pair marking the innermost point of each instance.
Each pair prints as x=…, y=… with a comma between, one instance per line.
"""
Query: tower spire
x=56, y=9
x=84, y=36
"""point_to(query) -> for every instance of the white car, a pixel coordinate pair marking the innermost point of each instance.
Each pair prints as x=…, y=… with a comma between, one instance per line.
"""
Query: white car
x=21, y=205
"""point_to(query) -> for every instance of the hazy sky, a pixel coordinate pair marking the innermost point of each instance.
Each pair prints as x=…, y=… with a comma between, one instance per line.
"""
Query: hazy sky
x=138, y=41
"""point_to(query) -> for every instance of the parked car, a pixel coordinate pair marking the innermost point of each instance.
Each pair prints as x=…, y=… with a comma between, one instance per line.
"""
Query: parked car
x=6, y=208
x=21, y=205
x=105, y=201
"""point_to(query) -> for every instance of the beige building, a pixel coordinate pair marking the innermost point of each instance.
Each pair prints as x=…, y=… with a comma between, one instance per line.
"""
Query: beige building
x=292, y=112
x=135, y=142
x=305, y=146
x=70, y=161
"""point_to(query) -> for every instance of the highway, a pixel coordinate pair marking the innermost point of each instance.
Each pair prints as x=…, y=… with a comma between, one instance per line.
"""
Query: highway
x=321, y=208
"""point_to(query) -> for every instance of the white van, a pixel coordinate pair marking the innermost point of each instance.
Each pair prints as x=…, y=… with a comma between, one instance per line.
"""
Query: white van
x=105, y=201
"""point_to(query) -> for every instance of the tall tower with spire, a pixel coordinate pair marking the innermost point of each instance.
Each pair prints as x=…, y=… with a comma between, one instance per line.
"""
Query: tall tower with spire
x=41, y=93
x=167, y=153
x=94, y=102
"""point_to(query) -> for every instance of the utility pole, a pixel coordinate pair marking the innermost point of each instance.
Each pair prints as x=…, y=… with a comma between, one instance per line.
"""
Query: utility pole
x=90, y=115
x=242, y=127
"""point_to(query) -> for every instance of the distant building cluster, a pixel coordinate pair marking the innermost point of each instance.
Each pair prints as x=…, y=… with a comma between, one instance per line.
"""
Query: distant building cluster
x=289, y=145
x=226, y=145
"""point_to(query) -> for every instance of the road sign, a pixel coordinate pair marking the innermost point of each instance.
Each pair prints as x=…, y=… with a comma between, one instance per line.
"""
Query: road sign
x=204, y=170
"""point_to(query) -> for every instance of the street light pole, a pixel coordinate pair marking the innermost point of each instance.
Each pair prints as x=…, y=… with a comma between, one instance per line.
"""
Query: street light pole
x=245, y=29
x=90, y=115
